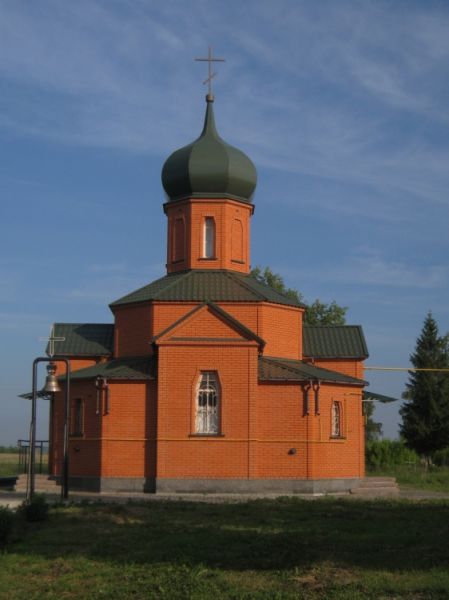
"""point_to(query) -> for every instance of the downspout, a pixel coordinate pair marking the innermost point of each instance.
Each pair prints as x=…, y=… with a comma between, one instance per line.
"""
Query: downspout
x=307, y=389
x=316, y=388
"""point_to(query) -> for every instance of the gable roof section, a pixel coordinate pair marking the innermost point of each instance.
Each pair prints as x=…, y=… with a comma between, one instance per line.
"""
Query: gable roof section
x=206, y=286
x=84, y=339
x=334, y=341
x=218, y=311
x=282, y=369
x=139, y=368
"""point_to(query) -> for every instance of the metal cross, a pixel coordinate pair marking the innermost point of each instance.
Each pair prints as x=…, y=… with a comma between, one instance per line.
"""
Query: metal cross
x=51, y=341
x=210, y=60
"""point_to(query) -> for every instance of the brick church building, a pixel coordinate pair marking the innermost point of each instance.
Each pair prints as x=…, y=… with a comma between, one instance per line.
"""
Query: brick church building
x=207, y=379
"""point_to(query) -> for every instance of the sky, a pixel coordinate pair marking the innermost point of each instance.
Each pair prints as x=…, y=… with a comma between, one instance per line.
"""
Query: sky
x=342, y=106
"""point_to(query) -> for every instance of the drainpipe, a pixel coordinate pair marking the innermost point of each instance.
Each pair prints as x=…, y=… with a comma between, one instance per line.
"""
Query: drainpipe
x=316, y=388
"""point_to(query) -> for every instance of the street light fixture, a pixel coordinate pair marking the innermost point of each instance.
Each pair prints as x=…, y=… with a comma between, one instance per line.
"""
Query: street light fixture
x=51, y=386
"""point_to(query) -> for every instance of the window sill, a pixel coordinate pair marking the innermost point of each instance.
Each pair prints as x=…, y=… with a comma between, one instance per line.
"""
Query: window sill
x=208, y=258
x=239, y=262
x=206, y=435
x=337, y=437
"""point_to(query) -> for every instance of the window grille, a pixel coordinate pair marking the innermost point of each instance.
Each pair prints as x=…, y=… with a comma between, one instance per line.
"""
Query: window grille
x=336, y=419
x=207, y=404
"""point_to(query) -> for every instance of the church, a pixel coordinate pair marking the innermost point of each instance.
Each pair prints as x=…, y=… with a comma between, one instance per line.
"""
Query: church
x=207, y=380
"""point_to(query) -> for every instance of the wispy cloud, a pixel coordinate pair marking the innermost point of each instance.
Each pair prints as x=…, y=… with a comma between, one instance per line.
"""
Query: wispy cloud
x=372, y=269
x=315, y=95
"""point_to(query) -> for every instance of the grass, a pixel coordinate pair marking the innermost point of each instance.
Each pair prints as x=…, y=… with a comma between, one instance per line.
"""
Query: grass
x=265, y=550
x=8, y=464
x=435, y=479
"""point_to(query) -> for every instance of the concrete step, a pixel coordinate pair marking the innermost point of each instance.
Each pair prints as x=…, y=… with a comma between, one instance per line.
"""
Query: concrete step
x=378, y=482
x=375, y=492
x=376, y=486
x=41, y=483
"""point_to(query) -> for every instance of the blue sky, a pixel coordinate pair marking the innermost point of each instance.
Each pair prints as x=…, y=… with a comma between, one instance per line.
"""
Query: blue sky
x=343, y=107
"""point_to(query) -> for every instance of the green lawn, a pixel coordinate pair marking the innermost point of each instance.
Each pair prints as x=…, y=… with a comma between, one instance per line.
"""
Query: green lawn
x=9, y=464
x=266, y=549
x=434, y=479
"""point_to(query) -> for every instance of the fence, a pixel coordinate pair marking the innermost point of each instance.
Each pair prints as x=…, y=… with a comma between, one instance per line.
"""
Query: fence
x=41, y=455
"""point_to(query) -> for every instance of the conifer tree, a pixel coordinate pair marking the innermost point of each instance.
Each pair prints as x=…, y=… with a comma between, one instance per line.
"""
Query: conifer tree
x=425, y=414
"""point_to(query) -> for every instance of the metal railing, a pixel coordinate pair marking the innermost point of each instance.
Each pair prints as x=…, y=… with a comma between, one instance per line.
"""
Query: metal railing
x=41, y=449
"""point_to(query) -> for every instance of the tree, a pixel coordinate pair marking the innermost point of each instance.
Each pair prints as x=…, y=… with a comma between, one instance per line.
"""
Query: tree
x=317, y=313
x=425, y=414
x=373, y=430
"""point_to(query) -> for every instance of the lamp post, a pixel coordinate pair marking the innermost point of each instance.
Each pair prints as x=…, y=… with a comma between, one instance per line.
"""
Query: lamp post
x=51, y=386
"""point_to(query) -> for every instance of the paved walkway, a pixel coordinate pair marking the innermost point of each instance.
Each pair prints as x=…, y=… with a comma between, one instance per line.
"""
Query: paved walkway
x=14, y=499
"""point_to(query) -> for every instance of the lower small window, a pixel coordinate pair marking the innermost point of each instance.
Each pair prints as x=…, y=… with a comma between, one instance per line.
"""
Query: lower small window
x=336, y=429
x=207, y=404
x=77, y=419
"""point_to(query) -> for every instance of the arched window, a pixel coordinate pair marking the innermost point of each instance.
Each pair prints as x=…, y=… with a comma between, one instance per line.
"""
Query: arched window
x=237, y=241
x=336, y=430
x=209, y=238
x=207, y=404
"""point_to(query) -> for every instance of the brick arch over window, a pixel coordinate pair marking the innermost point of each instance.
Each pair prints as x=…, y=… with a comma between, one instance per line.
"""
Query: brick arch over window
x=237, y=241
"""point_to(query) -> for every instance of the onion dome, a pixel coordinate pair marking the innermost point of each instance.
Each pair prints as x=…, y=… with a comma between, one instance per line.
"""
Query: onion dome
x=209, y=168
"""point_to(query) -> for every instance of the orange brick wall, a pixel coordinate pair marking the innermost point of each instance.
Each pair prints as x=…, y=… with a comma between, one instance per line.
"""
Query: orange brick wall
x=283, y=426
x=281, y=328
x=86, y=460
x=260, y=425
x=205, y=324
x=75, y=364
x=133, y=330
x=118, y=444
x=129, y=430
x=183, y=456
x=354, y=368
x=228, y=253
x=167, y=313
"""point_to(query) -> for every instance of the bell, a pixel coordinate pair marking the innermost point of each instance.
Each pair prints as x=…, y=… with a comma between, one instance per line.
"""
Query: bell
x=51, y=382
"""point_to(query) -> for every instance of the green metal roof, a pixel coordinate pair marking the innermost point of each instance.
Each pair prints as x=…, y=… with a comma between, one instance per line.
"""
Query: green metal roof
x=282, y=369
x=334, y=341
x=372, y=396
x=84, y=339
x=209, y=168
x=206, y=286
x=140, y=367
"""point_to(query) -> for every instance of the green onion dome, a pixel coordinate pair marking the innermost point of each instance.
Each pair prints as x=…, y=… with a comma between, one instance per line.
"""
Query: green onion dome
x=209, y=168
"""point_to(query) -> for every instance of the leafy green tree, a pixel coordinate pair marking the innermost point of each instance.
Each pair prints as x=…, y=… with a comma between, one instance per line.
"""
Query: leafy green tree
x=317, y=313
x=425, y=414
x=373, y=430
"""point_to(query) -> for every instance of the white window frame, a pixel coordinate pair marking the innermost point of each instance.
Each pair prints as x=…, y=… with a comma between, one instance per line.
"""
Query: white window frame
x=207, y=404
x=209, y=237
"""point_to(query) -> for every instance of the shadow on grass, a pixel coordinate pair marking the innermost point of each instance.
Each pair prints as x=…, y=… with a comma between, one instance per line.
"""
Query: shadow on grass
x=259, y=535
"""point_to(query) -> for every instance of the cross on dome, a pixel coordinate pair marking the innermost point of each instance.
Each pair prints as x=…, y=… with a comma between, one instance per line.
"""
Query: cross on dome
x=210, y=60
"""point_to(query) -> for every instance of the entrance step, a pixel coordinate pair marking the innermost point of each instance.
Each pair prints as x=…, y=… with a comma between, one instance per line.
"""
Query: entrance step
x=376, y=486
x=41, y=483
